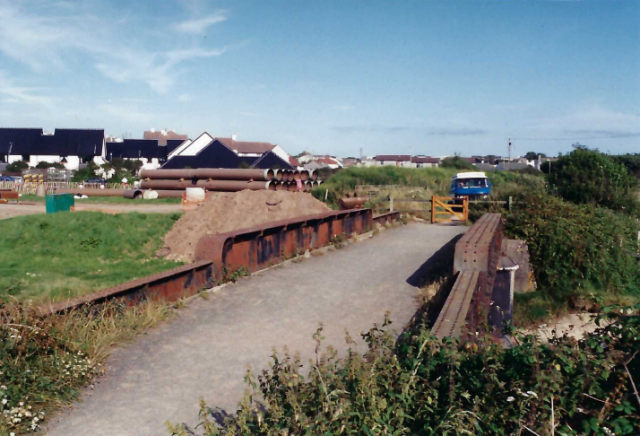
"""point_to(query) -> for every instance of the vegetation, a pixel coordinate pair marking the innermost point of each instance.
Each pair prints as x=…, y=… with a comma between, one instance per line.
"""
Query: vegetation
x=457, y=163
x=589, y=177
x=17, y=167
x=532, y=155
x=88, y=172
x=45, y=360
x=631, y=162
x=63, y=255
x=46, y=165
x=420, y=385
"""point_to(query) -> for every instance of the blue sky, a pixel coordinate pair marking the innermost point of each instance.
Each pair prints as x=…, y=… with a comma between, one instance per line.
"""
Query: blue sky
x=425, y=77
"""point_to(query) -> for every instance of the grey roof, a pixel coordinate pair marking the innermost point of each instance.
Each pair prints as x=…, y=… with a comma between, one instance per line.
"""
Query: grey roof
x=64, y=142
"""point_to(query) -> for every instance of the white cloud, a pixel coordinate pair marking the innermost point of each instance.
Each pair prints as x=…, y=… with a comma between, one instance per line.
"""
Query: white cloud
x=184, y=98
x=20, y=94
x=198, y=26
x=42, y=42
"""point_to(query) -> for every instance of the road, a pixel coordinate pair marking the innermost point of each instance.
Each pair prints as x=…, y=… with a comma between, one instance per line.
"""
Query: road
x=206, y=350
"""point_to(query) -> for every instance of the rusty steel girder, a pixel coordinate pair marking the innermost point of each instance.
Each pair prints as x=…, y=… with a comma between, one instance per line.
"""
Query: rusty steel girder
x=454, y=314
x=384, y=218
x=260, y=247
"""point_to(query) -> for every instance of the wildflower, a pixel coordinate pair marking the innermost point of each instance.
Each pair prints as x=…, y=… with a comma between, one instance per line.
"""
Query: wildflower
x=533, y=394
x=21, y=403
x=4, y=401
x=579, y=409
x=12, y=434
x=510, y=399
x=3, y=387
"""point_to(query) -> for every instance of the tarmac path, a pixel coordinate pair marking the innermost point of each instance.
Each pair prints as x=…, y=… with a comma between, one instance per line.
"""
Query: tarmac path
x=206, y=350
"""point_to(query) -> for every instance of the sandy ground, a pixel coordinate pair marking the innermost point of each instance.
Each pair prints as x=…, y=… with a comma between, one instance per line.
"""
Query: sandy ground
x=575, y=325
x=15, y=209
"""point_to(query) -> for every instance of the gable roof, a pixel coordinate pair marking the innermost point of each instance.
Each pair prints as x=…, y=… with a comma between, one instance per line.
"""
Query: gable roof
x=425, y=159
x=163, y=136
x=135, y=149
x=271, y=160
x=172, y=144
x=64, y=142
x=393, y=158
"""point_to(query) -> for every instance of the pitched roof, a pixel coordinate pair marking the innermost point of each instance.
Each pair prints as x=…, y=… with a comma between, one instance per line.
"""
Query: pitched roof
x=64, y=142
x=172, y=144
x=135, y=149
x=293, y=161
x=425, y=159
x=164, y=136
x=393, y=157
x=247, y=147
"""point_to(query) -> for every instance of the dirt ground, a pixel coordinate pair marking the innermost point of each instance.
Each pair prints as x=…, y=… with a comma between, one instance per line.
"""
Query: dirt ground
x=230, y=211
x=16, y=209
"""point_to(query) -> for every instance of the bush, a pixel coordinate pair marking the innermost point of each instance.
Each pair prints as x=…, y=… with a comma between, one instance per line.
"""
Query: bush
x=589, y=177
x=457, y=163
x=46, y=165
x=423, y=386
x=631, y=161
x=17, y=167
x=576, y=250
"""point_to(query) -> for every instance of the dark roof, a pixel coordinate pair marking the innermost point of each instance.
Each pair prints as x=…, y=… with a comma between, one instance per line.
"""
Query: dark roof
x=425, y=159
x=165, y=136
x=64, y=142
x=135, y=149
x=393, y=157
x=15, y=140
x=271, y=160
x=172, y=144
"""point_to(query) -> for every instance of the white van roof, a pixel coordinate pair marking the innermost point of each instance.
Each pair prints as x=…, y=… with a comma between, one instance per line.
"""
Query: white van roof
x=471, y=175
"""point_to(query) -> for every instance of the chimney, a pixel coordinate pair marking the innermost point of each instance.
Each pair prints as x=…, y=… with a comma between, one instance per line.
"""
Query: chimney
x=233, y=137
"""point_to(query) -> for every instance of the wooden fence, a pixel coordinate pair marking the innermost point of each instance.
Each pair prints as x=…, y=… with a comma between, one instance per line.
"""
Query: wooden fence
x=52, y=187
x=393, y=204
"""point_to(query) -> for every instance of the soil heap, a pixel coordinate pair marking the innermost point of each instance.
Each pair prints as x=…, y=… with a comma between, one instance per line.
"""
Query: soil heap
x=229, y=211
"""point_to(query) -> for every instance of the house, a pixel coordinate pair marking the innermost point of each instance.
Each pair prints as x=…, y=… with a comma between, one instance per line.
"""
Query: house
x=320, y=161
x=74, y=148
x=424, y=162
x=208, y=152
x=164, y=135
x=148, y=151
x=398, y=160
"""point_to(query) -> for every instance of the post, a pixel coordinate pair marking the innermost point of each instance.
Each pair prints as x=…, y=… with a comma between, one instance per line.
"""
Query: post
x=433, y=209
x=510, y=203
x=465, y=207
x=391, y=203
x=326, y=194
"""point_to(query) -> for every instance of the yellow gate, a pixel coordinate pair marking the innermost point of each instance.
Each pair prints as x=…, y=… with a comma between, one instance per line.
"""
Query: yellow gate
x=449, y=209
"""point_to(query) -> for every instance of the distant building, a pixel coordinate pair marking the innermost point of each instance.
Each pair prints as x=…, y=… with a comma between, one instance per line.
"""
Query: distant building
x=424, y=162
x=398, y=160
x=73, y=148
x=164, y=135
x=207, y=151
x=315, y=162
x=148, y=151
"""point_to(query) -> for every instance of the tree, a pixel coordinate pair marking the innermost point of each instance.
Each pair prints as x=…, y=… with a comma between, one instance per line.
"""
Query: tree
x=46, y=165
x=456, y=162
x=17, y=167
x=587, y=176
x=532, y=155
x=631, y=161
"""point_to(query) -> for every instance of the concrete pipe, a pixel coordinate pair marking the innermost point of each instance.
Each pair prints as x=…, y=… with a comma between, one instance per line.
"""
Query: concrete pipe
x=306, y=187
x=210, y=173
x=304, y=175
x=211, y=185
x=132, y=193
x=277, y=175
x=280, y=186
x=313, y=175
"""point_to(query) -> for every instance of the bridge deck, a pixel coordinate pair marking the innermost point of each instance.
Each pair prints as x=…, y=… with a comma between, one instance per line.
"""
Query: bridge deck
x=206, y=350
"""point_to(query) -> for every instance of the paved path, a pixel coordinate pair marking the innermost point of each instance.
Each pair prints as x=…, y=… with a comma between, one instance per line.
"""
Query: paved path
x=206, y=350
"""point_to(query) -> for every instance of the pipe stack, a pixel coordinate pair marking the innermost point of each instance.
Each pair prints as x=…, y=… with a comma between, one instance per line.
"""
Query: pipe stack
x=226, y=180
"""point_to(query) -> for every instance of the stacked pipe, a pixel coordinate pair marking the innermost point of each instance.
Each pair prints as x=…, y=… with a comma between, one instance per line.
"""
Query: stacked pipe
x=226, y=180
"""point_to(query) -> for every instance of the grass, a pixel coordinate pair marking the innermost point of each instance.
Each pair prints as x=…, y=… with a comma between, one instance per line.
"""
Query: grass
x=58, y=256
x=107, y=200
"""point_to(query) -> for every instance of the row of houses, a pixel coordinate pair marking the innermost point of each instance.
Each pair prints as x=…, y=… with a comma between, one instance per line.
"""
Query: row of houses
x=76, y=148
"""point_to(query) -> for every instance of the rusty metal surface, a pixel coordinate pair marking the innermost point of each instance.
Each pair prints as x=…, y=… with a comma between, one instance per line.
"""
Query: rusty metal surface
x=453, y=316
x=210, y=173
x=9, y=195
x=386, y=217
x=169, y=285
x=259, y=247
x=353, y=203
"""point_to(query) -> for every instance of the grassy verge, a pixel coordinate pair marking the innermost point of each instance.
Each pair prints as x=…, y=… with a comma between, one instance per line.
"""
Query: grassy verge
x=107, y=200
x=57, y=256
x=45, y=361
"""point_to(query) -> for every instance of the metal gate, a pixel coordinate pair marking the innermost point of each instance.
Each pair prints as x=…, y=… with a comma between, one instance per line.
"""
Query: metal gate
x=449, y=209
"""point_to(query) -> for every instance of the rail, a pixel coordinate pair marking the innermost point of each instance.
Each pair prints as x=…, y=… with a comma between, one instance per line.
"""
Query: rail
x=221, y=255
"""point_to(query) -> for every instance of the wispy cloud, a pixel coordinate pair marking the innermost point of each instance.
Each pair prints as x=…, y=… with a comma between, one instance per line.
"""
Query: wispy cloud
x=344, y=107
x=200, y=25
x=594, y=134
x=184, y=98
x=249, y=114
x=20, y=94
x=455, y=132
x=45, y=41
x=370, y=129
x=126, y=113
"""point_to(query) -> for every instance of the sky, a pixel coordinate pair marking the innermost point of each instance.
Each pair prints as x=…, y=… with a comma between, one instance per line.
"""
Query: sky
x=335, y=77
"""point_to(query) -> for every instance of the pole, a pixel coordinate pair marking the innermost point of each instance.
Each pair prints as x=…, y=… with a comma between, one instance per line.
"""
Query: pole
x=509, y=161
x=391, y=203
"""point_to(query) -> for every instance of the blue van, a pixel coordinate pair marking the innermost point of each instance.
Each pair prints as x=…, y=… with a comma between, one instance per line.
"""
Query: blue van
x=474, y=185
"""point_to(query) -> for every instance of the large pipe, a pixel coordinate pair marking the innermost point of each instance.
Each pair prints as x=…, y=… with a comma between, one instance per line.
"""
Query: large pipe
x=280, y=186
x=94, y=192
x=211, y=185
x=277, y=175
x=304, y=175
x=313, y=175
x=210, y=173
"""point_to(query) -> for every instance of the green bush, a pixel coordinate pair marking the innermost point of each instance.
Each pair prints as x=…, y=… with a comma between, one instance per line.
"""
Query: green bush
x=422, y=386
x=577, y=249
x=589, y=177
x=17, y=167
x=456, y=162
x=631, y=161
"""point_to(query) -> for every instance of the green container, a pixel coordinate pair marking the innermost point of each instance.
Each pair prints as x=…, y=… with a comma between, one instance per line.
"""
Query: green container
x=59, y=202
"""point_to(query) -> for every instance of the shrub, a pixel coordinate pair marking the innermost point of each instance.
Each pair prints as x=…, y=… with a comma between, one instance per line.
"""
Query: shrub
x=423, y=386
x=457, y=163
x=631, y=161
x=46, y=165
x=576, y=249
x=17, y=167
x=589, y=177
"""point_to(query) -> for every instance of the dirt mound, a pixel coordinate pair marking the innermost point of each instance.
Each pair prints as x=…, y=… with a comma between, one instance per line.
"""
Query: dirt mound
x=229, y=211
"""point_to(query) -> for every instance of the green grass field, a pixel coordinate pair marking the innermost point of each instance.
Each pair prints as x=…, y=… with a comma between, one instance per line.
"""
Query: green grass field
x=108, y=200
x=54, y=257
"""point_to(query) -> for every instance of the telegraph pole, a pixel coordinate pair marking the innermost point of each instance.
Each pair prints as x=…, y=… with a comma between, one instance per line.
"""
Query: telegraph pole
x=509, y=161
